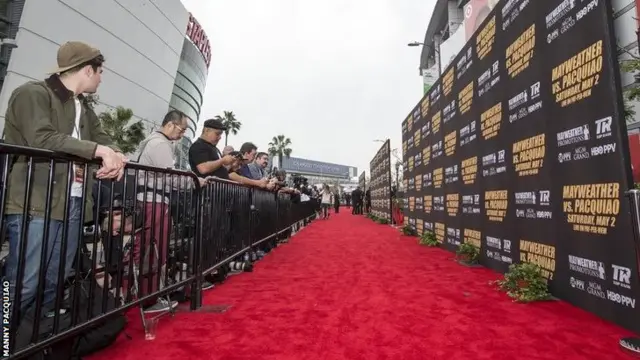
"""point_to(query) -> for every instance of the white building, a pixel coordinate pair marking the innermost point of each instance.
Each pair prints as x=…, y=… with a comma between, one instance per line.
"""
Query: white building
x=142, y=41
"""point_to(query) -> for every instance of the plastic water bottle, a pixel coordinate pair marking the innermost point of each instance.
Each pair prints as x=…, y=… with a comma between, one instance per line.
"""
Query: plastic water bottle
x=246, y=256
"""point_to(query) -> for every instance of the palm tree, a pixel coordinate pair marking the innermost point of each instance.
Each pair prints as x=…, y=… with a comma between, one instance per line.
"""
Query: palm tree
x=114, y=123
x=279, y=146
x=231, y=123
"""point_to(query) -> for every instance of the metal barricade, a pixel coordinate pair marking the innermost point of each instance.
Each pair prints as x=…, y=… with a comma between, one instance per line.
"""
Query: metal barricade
x=78, y=252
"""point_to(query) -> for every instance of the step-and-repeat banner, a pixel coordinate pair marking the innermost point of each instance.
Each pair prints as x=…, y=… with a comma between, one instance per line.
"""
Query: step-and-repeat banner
x=362, y=181
x=380, y=182
x=519, y=149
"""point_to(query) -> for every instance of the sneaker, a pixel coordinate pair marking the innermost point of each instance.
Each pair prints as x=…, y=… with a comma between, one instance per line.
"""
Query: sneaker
x=161, y=305
x=207, y=285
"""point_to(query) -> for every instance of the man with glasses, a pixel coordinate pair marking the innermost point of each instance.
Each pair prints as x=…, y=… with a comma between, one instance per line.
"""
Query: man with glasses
x=158, y=150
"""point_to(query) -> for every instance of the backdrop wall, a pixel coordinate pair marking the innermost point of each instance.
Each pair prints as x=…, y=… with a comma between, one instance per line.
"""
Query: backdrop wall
x=380, y=182
x=519, y=148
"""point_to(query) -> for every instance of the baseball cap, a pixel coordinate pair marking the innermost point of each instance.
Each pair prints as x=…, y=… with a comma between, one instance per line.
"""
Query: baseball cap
x=72, y=54
x=214, y=124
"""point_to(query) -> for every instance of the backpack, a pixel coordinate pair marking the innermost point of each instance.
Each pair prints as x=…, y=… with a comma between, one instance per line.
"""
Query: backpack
x=92, y=339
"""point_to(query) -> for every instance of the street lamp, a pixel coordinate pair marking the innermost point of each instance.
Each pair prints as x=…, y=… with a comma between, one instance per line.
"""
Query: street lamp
x=436, y=53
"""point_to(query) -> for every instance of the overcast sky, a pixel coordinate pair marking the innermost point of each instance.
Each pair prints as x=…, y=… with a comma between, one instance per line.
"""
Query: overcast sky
x=332, y=75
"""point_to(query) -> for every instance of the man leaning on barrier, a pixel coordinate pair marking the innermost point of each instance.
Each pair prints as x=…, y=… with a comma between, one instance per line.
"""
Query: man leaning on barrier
x=158, y=150
x=54, y=115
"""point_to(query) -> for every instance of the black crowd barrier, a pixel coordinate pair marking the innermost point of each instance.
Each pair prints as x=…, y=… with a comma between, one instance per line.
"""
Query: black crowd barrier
x=380, y=183
x=520, y=149
x=152, y=237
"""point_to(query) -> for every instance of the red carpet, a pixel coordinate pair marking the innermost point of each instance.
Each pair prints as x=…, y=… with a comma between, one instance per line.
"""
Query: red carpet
x=346, y=288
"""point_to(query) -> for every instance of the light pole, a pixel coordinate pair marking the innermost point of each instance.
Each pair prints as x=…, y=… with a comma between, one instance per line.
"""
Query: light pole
x=436, y=53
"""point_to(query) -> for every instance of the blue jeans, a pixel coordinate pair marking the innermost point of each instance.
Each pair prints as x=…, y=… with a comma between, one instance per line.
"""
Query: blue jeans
x=33, y=254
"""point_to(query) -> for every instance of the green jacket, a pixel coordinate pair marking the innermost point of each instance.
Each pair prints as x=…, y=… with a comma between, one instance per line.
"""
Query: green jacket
x=42, y=115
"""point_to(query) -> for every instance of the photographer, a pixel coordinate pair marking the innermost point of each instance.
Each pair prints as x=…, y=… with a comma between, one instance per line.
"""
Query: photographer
x=243, y=175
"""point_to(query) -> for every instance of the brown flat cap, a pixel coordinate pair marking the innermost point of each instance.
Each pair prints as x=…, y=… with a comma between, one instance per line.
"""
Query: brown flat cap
x=72, y=54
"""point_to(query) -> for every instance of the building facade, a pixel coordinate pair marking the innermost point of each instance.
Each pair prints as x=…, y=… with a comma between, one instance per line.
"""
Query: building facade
x=318, y=172
x=142, y=41
x=451, y=16
x=191, y=80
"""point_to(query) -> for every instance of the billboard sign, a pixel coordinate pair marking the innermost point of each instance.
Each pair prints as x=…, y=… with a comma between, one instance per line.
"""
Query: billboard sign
x=521, y=150
x=475, y=12
x=196, y=34
x=380, y=182
x=297, y=165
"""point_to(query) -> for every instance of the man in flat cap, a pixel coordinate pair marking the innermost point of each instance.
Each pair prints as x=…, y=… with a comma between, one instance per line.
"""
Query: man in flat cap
x=54, y=115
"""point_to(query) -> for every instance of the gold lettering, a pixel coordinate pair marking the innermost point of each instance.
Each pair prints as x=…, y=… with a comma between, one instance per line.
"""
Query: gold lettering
x=435, y=122
x=450, y=143
x=486, y=38
x=490, y=121
x=469, y=170
x=520, y=52
x=592, y=208
x=574, y=79
x=465, y=98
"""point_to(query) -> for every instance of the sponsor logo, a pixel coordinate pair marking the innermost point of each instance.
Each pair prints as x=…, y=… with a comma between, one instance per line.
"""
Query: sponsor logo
x=438, y=203
x=545, y=196
x=489, y=78
x=595, y=290
x=559, y=12
x=564, y=157
x=497, y=158
x=418, y=159
x=416, y=114
x=449, y=111
x=506, y=245
x=471, y=204
x=603, y=149
x=567, y=24
x=621, y=299
x=525, y=198
x=586, y=9
x=451, y=174
x=426, y=130
x=531, y=93
x=603, y=127
x=621, y=276
x=494, y=242
x=577, y=284
x=468, y=133
x=573, y=136
x=543, y=214
x=453, y=236
x=552, y=36
x=587, y=266
x=426, y=180
x=435, y=93
x=518, y=100
x=464, y=63
x=436, y=149
x=580, y=153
